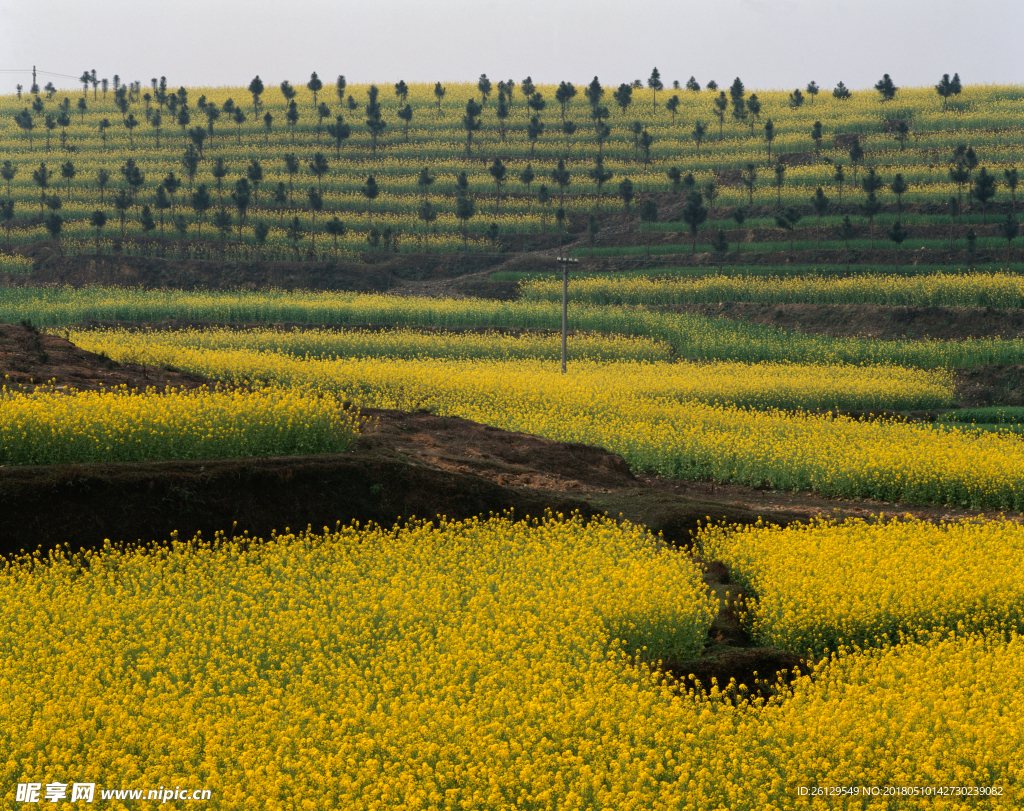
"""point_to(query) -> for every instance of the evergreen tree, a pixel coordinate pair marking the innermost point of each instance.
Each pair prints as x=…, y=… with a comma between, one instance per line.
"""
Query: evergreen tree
x=314, y=85
x=497, y=171
x=98, y=219
x=816, y=136
x=649, y=215
x=600, y=176
x=847, y=231
x=699, y=131
x=565, y=93
x=672, y=105
x=694, y=214
x=533, y=131
x=340, y=131
x=370, y=191
x=319, y=167
x=780, y=178
x=425, y=180
x=256, y=90
x=984, y=190
x=68, y=172
x=721, y=105
x=898, y=234
x=654, y=82
x=1009, y=175
x=841, y=93
x=839, y=176
x=561, y=177
x=8, y=172
x=374, y=122
x=899, y=187
x=813, y=90
x=471, y=123
x=819, y=202
x=749, y=179
x=626, y=194
x=439, y=92
x=201, y=203
x=769, y=136
x=254, y=171
x=484, y=86
x=465, y=208
x=886, y=88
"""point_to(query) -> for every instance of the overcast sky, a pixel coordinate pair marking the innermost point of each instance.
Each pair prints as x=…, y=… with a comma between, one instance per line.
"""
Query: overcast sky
x=779, y=44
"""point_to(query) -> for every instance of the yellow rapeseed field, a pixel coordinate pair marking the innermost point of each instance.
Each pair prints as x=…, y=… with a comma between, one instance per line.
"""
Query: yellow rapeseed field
x=825, y=585
x=117, y=426
x=474, y=665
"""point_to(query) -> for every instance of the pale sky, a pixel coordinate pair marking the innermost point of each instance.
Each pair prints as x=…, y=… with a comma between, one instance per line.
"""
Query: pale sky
x=769, y=44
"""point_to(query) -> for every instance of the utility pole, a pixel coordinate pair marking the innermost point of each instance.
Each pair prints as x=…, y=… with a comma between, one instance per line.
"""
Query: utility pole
x=565, y=261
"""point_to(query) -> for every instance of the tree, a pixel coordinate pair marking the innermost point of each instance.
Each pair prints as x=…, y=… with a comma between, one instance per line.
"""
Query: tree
x=428, y=214
x=543, y=197
x=292, y=117
x=484, y=86
x=972, y=241
x=948, y=87
x=674, y=176
x=197, y=135
x=754, y=111
x=816, y=136
x=560, y=222
x=157, y=121
x=471, y=123
x=672, y=105
x=64, y=121
x=870, y=207
x=527, y=177
x=340, y=131
x=314, y=85
x=7, y=215
x=316, y=203
x=626, y=193
x=899, y=187
x=813, y=90
x=623, y=96
x=171, y=183
x=212, y=113
x=122, y=202
x=711, y=194
x=222, y=222
x=497, y=171
x=404, y=113
x=898, y=234
x=568, y=128
x=68, y=172
x=600, y=176
x=901, y=132
x=280, y=198
x=291, y=166
x=339, y=88
x=886, y=88
x=699, y=131
x=841, y=93
x=439, y=94
x=254, y=171
x=256, y=89
x=374, y=122
x=201, y=203
x=693, y=85
x=25, y=122
x=847, y=231
x=260, y=231
x=161, y=202
x=566, y=92
x=184, y=118
x=694, y=214
x=98, y=220
x=984, y=190
x=739, y=215
x=465, y=208
x=649, y=215
x=712, y=86
x=219, y=170
x=82, y=110
x=295, y=234
x=425, y=180
x=319, y=167
x=190, y=163
x=1009, y=230
x=53, y=223
x=287, y=91
x=654, y=82
x=370, y=191
x=401, y=91
x=796, y=99
x=769, y=136
x=819, y=202
x=50, y=122
x=646, y=140
x=8, y=172
x=749, y=179
x=839, y=177
x=594, y=93
x=780, y=178
x=133, y=177
x=41, y=177
x=721, y=105
x=787, y=220
x=536, y=103
x=1009, y=176
x=336, y=228
x=561, y=177
x=147, y=222
x=856, y=155
x=720, y=244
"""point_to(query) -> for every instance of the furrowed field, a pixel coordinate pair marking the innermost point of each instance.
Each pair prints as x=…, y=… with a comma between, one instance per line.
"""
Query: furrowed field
x=237, y=388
